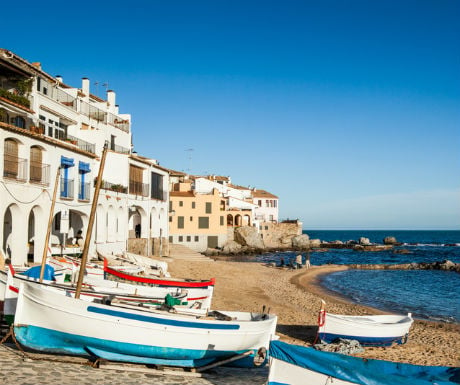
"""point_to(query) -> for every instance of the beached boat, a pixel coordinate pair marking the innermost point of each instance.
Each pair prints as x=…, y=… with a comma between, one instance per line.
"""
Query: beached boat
x=193, y=300
x=50, y=322
x=112, y=273
x=300, y=365
x=369, y=330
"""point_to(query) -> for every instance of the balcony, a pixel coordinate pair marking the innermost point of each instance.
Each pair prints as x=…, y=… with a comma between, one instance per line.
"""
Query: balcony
x=159, y=194
x=119, y=149
x=138, y=188
x=81, y=144
x=114, y=187
x=39, y=173
x=15, y=168
x=84, y=191
x=67, y=188
x=15, y=98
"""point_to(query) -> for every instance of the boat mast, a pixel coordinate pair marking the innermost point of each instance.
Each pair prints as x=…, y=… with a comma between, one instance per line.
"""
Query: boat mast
x=50, y=222
x=92, y=215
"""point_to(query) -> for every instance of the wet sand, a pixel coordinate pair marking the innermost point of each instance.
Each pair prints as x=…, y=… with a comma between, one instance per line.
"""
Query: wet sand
x=295, y=296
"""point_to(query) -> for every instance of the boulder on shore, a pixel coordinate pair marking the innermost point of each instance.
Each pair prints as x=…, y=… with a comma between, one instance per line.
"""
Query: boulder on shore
x=248, y=236
x=231, y=247
x=364, y=241
x=301, y=241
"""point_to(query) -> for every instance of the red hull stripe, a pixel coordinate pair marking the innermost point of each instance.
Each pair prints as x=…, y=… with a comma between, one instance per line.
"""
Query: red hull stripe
x=158, y=281
x=12, y=288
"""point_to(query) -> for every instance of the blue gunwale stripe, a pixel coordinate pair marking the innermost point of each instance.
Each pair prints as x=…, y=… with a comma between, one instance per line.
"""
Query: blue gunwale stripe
x=161, y=321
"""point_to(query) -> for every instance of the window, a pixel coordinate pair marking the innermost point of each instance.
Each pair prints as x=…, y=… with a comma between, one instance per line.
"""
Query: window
x=189, y=238
x=221, y=220
x=180, y=222
x=266, y=227
x=203, y=222
x=170, y=239
x=208, y=208
x=156, y=187
x=196, y=238
x=10, y=160
x=181, y=238
x=19, y=121
x=181, y=203
x=191, y=219
x=170, y=219
x=260, y=203
x=170, y=206
x=35, y=173
x=193, y=205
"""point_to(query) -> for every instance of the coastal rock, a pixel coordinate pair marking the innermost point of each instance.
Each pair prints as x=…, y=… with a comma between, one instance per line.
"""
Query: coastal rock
x=402, y=251
x=364, y=241
x=248, y=236
x=301, y=241
x=315, y=243
x=231, y=247
x=390, y=241
x=370, y=247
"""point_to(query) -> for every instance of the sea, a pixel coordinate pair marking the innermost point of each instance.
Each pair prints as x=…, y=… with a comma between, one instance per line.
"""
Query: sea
x=428, y=294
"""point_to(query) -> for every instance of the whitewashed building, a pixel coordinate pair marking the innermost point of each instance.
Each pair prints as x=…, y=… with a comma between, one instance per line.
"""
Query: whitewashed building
x=50, y=131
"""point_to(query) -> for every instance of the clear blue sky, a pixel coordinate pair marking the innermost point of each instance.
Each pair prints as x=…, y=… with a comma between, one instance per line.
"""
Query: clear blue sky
x=348, y=110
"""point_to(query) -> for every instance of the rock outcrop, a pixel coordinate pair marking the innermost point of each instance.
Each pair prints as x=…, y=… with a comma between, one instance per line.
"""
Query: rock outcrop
x=248, y=236
x=301, y=241
x=390, y=241
x=231, y=247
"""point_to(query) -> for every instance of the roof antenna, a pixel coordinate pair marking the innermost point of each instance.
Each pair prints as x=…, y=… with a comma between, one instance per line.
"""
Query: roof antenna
x=189, y=157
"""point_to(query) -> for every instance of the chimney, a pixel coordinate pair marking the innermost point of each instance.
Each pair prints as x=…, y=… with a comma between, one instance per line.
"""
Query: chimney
x=85, y=86
x=59, y=78
x=111, y=100
x=37, y=65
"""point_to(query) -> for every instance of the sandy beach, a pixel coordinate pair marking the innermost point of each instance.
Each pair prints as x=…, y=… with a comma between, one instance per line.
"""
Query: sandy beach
x=295, y=296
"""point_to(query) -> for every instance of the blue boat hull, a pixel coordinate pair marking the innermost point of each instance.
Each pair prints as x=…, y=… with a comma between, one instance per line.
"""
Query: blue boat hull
x=51, y=341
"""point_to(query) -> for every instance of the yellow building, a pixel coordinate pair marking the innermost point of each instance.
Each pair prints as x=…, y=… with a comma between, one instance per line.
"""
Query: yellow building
x=196, y=220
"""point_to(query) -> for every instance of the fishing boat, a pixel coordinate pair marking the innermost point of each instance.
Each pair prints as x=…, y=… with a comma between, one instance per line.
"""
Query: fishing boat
x=299, y=365
x=111, y=273
x=50, y=322
x=369, y=330
x=190, y=301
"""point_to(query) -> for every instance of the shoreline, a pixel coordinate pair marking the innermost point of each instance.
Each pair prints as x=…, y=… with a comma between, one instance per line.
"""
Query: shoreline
x=295, y=297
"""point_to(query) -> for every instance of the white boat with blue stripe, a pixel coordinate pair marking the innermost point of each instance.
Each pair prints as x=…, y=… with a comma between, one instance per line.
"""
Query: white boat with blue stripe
x=51, y=322
x=300, y=365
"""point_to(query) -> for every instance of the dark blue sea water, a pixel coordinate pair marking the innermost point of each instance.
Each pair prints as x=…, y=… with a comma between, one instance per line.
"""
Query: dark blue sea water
x=427, y=294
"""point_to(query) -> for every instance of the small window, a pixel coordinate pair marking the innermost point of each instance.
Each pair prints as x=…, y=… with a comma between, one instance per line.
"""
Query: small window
x=181, y=238
x=208, y=207
x=170, y=219
x=181, y=203
x=189, y=238
x=203, y=222
x=196, y=238
x=191, y=219
x=193, y=205
x=171, y=239
x=266, y=227
x=180, y=222
x=221, y=220
x=170, y=206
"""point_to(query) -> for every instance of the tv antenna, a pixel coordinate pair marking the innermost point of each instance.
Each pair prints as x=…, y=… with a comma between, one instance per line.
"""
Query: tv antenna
x=189, y=157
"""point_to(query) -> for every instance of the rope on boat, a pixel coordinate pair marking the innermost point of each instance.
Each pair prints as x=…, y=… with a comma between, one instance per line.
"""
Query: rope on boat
x=342, y=346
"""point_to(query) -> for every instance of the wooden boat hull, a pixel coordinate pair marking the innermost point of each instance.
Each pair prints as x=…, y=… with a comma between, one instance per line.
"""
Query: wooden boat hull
x=112, y=273
x=300, y=365
x=50, y=322
x=379, y=330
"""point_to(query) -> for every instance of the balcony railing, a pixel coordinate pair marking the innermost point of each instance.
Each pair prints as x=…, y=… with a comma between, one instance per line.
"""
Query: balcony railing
x=66, y=99
x=15, y=168
x=81, y=144
x=39, y=173
x=84, y=190
x=66, y=188
x=159, y=194
x=138, y=188
x=119, y=149
x=114, y=187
